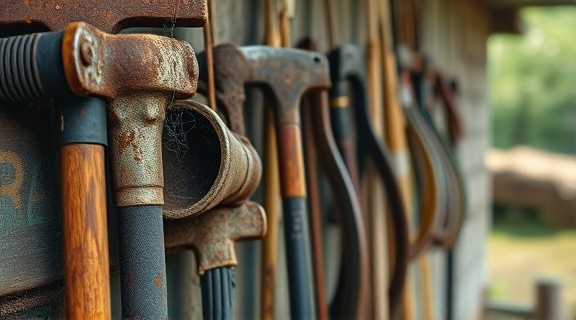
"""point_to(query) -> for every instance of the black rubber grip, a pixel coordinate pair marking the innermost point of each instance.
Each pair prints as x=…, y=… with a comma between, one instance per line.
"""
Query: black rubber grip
x=31, y=67
x=298, y=258
x=81, y=120
x=218, y=286
x=142, y=263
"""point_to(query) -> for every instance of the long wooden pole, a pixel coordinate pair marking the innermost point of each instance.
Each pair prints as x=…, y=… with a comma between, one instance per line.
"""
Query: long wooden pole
x=272, y=185
x=82, y=137
x=378, y=222
x=85, y=231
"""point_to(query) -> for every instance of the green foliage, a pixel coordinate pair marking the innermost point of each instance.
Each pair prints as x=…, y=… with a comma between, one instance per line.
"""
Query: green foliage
x=532, y=82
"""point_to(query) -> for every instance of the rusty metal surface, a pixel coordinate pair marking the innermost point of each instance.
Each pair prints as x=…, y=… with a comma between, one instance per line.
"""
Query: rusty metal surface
x=140, y=75
x=107, y=65
x=238, y=173
x=212, y=235
x=231, y=73
x=288, y=73
x=108, y=15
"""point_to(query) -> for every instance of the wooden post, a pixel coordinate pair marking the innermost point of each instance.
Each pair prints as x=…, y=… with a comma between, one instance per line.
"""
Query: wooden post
x=548, y=300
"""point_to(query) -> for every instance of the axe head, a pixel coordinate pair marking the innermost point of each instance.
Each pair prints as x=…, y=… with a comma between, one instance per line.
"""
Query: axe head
x=107, y=15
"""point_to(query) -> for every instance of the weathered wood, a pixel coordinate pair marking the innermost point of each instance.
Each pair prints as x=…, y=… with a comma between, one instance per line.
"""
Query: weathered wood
x=85, y=231
x=548, y=300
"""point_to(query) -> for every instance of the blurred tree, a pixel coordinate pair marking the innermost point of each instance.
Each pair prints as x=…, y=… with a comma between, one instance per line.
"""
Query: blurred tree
x=532, y=81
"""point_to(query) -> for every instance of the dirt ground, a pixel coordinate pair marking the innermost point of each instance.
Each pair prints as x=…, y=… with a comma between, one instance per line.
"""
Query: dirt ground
x=519, y=255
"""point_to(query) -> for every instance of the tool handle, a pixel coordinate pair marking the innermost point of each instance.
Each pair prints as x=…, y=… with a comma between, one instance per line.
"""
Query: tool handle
x=142, y=262
x=382, y=160
x=218, y=286
x=296, y=237
x=85, y=233
x=351, y=296
x=342, y=128
x=31, y=67
x=298, y=257
x=81, y=134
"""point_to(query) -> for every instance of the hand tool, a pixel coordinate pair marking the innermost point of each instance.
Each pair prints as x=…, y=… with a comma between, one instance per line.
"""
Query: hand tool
x=314, y=200
x=234, y=177
x=351, y=291
x=425, y=80
x=76, y=58
x=82, y=137
x=275, y=70
x=347, y=67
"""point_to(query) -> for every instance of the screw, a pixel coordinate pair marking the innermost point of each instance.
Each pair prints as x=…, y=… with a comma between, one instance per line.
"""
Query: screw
x=86, y=52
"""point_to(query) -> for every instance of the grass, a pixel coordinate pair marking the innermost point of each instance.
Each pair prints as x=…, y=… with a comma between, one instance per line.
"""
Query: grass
x=520, y=252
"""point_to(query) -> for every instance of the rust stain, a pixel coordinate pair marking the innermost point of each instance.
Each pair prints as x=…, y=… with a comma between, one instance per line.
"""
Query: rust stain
x=107, y=14
x=26, y=3
x=125, y=141
x=158, y=281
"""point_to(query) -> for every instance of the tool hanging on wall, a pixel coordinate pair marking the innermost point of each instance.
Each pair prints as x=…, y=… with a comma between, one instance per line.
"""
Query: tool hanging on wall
x=346, y=67
x=351, y=291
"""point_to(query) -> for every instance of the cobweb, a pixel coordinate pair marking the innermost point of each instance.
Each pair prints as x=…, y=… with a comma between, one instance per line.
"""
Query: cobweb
x=176, y=129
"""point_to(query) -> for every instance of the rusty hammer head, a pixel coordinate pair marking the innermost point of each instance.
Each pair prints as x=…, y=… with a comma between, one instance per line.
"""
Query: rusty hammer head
x=139, y=74
x=212, y=235
x=107, y=15
x=285, y=74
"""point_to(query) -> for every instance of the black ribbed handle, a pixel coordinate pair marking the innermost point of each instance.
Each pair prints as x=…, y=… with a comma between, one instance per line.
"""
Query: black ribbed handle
x=31, y=67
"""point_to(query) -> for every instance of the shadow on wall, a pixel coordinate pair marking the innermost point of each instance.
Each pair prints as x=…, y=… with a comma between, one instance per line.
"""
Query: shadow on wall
x=527, y=180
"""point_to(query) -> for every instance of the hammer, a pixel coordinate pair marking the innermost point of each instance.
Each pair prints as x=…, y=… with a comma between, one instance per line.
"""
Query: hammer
x=284, y=74
x=87, y=282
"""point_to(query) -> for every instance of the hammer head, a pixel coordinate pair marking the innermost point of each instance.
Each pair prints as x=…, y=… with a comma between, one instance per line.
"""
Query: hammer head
x=345, y=62
x=107, y=15
x=232, y=71
x=286, y=74
x=212, y=235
